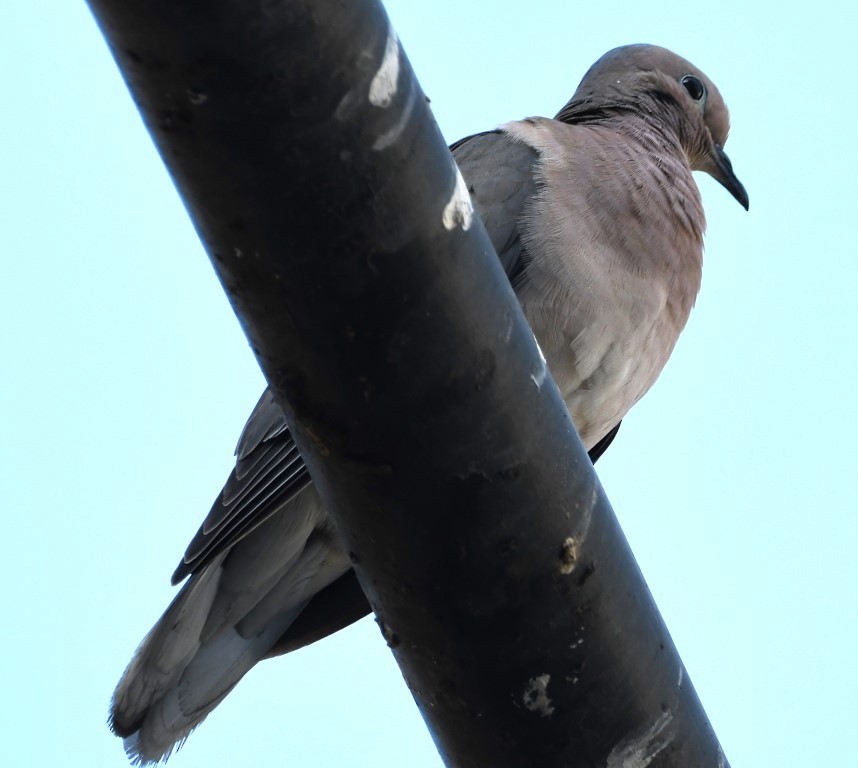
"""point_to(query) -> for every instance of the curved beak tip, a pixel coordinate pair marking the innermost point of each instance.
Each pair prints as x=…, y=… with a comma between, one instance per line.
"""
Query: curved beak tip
x=742, y=197
x=727, y=178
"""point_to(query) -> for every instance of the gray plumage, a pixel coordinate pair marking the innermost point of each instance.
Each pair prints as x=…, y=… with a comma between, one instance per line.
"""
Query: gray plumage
x=599, y=225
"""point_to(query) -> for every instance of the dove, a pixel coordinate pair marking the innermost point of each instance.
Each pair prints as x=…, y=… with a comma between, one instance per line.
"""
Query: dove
x=598, y=223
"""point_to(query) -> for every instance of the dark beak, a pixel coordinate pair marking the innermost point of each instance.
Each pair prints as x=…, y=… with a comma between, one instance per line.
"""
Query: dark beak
x=723, y=173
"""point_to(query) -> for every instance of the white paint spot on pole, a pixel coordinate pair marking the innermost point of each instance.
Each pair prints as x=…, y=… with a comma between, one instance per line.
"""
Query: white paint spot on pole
x=346, y=106
x=195, y=97
x=391, y=135
x=536, y=695
x=508, y=332
x=568, y=556
x=640, y=751
x=459, y=211
x=382, y=89
x=539, y=377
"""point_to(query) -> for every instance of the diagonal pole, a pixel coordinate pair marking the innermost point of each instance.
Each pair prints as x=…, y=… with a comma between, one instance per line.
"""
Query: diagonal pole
x=322, y=189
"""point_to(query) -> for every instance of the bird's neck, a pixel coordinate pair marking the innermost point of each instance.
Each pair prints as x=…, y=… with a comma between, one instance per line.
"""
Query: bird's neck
x=654, y=129
x=654, y=122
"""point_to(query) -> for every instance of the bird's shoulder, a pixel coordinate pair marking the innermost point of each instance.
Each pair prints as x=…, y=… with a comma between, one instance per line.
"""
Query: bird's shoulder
x=501, y=178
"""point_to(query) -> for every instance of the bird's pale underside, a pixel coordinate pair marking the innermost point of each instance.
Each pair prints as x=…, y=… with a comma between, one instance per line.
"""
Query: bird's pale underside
x=599, y=225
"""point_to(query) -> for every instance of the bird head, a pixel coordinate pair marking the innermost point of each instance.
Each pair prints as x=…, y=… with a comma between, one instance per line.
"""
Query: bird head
x=654, y=79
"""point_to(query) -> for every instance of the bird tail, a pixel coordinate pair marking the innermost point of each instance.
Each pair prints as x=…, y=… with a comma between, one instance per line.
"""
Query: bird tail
x=183, y=669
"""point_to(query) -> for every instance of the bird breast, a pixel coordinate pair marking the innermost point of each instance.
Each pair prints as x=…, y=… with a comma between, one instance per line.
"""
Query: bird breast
x=614, y=244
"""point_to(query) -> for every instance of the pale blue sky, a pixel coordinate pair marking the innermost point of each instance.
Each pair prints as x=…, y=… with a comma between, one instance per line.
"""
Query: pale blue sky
x=126, y=381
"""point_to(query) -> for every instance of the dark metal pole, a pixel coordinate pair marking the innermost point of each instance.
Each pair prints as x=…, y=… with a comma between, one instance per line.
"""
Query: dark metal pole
x=321, y=187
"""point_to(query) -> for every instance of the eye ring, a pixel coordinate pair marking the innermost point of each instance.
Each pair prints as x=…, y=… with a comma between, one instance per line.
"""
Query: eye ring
x=694, y=87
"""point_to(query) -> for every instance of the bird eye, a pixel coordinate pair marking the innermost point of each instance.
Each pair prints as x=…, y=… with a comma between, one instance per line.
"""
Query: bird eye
x=696, y=89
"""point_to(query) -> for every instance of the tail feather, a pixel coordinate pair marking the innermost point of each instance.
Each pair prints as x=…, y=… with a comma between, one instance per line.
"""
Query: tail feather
x=260, y=562
x=214, y=671
x=226, y=618
x=164, y=653
x=316, y=569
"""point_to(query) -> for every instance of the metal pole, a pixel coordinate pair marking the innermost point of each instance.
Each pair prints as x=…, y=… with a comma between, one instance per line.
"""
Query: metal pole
x=326, y=198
